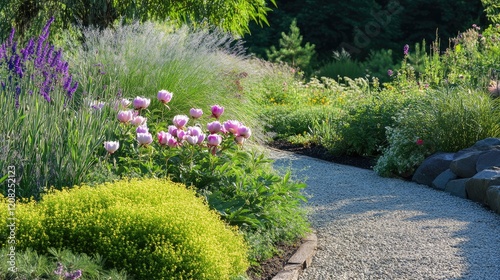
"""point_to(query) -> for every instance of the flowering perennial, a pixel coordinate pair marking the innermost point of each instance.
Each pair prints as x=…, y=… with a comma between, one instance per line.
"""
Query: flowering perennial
x=39, y=62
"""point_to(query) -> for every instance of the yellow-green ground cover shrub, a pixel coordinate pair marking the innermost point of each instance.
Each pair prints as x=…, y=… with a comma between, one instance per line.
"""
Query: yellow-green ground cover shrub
x=152, y=229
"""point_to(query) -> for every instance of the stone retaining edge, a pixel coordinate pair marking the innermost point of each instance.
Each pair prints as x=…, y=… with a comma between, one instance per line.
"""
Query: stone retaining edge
x=300, y=260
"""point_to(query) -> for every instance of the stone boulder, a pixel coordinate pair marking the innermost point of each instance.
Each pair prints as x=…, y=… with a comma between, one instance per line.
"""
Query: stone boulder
x=457, y=187
x=464, y=164
x=493, y=198
x=477, y=186
x=443, y=179
x=488, y=159
x=486, y=143
x=432, y=167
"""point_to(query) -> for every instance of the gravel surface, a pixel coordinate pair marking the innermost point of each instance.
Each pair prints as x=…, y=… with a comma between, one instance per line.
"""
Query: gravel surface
x=370, y=227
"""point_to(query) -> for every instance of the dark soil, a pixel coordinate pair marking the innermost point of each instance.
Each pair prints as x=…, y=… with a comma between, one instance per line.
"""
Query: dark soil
x=320, y=152
x=268, y=269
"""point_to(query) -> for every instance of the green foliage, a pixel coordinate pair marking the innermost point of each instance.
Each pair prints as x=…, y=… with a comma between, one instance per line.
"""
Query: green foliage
x=152, y=229
x=232, y=16
x=33, y=266
x=287, y=121
x=492, y=9
x=359, y=128
x=378, y=63
x=342, y=66
x=291, y=50
x=445, y=120
x=360, y=26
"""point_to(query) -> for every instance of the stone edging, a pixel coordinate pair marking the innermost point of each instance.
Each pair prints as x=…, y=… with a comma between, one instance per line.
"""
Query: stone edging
x=300, y=260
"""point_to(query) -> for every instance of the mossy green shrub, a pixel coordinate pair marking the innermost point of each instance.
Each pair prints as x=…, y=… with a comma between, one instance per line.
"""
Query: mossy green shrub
x=151, y=228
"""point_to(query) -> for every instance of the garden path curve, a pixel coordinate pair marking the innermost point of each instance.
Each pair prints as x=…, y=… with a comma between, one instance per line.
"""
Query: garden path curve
x=370, y=227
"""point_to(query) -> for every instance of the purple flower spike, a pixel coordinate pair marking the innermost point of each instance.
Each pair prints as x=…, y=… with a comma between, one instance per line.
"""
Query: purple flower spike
x=406, y=49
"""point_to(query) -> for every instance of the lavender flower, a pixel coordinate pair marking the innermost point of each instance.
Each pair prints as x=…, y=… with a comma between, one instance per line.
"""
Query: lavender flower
x=406, y=49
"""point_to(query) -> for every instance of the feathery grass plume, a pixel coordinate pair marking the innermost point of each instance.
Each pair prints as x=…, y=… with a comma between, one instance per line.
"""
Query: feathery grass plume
x=197, y=66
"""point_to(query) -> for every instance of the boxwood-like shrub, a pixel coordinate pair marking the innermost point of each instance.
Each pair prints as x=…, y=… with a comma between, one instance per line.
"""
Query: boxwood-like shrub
x=153, y=229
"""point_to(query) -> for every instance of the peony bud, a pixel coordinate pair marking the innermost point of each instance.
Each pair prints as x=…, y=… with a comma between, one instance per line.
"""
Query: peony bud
x=164, y=96
x=244, y=131
x=232, y=126
x=214, y=140
x=217, y=111
x=144, y=138
x=141, y=103
x=125, y=116
x=180, y=121
x=195, y=113
x=111, y=146
x=214, y=127
x=142, y=129
x=138, y=120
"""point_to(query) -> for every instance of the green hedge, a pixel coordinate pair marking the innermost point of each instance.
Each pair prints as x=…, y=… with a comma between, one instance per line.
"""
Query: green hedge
x=152, y=229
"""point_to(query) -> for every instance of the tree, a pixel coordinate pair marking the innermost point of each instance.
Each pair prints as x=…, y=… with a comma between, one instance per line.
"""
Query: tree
x=291, y=50
x=230, y=15
x=492, y=9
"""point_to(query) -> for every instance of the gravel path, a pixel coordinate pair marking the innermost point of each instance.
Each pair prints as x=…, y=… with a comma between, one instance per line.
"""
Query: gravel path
x=370, y=227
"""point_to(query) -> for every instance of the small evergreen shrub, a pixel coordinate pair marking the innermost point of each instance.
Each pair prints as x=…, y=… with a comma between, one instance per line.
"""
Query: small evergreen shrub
x=152, y=229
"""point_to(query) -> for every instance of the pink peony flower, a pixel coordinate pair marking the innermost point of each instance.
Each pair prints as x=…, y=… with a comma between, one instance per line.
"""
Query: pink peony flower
x=142, y=129
x=164, y=96
x=141, y=103
x=138, y=120
x=195, y=113
x=217, y=111
x=232, y=126
x=239, y=140
x=181, y=134
x=165, y=138
x=194, y=131
x=172, y=129
x=144, y=138
x=214, y=140
x=244, y=131
x=201, y=137
x=111, y=146
x=125, y=116
x=180, y=121
x=214, y=127
x=191, y=139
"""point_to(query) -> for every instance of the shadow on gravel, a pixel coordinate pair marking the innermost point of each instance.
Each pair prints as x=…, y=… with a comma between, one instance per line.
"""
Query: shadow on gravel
x=339, y=194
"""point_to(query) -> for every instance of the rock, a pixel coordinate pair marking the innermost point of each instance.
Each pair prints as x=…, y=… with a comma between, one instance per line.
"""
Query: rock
x=457, y=187
x=442, y=179
x=432, y=167
x=486, y=143
x=464, y=165
x=477, y=186
x=488, y=159
x=493, y=198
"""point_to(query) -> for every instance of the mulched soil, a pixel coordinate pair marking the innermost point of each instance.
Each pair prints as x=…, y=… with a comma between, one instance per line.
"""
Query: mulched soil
x=268, y=269
x=320, y=152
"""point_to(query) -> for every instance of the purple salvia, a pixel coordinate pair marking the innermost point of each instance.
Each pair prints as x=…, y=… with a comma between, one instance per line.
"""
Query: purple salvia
x=67, y=83
x=11, y=37
x=14, y=47
x=72, y=90
x=18, y=92
x=55, y=60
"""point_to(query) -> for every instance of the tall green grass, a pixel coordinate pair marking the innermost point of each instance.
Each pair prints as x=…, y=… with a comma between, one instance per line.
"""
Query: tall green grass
x=445, y=120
